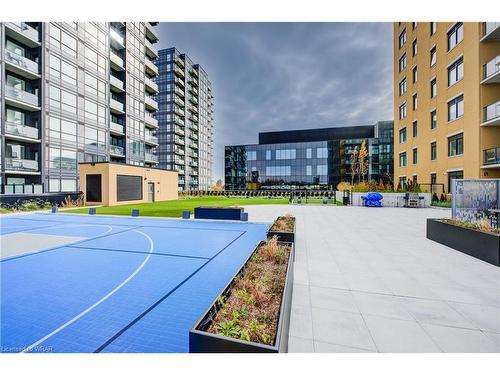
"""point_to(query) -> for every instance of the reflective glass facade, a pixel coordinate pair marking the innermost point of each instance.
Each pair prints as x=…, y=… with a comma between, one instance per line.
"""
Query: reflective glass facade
x=317, y=164
x=185, y=117
x=74, y=92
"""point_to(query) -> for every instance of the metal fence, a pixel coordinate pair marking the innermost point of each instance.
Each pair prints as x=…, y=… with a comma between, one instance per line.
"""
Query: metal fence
x=474, y=201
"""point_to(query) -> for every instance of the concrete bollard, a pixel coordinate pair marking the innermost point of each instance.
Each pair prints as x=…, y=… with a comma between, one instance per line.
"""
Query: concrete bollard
x=92, y=211
x=244, y=216
x=135, y=212
x=54, y=209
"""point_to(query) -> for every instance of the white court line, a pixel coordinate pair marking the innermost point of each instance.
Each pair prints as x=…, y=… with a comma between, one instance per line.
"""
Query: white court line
x=84, y=312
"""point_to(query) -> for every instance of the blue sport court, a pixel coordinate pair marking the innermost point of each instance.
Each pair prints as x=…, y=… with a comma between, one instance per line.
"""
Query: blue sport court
x=77, y=283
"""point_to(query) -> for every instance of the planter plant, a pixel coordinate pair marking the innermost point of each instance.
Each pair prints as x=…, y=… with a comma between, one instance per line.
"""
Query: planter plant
x=477, y=240
x=252, y=314
x=283, y=228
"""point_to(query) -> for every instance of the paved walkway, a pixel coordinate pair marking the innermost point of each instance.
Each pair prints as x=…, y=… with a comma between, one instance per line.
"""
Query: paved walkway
x=367, y=280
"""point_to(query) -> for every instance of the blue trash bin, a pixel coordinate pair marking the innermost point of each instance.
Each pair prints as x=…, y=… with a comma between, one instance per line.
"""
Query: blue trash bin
x=54, y=209
x=135, y=212
x=186, y=214
x=244, y=216
x=92, y=211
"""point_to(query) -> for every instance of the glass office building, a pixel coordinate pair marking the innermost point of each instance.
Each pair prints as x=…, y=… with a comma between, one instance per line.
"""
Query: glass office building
x=74, y=92
x=186, y=122
x=314, y=159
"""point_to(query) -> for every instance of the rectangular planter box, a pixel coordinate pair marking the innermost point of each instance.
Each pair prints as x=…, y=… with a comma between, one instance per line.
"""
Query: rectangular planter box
x=283, y=236
x=201, y=341
x=484, y=246
x=218, y=213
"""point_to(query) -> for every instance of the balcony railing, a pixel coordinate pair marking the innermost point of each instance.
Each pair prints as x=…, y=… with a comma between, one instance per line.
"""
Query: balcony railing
x=151, y=103
x=179, y=92
x=151, y=33
x=152, y=85
x=491, y=68
x=151, y=139
x=22, y=189
x=21, y=95
x=117, y=83
x=179, y=62
x=151, y=67
x=492, y=156
x=179, y=161
x=150, y=120
x=116, y=105
x=25, y=30
x=179, y=121
x=22, y=165
x=151, y=51
x=179, y=101
x=116, y=150
x=179, y=140
x=118, y=128
x=151, y=157
x=179, y=81
x=179, y=131
x=179, y=151
x=21, y=130
x=491, y=29
x=179, y=111
x=21, y=61
x=492, y=112
x=116, y=61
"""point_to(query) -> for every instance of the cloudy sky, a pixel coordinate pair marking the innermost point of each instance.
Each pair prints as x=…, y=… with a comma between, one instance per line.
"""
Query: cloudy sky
x=277, y=76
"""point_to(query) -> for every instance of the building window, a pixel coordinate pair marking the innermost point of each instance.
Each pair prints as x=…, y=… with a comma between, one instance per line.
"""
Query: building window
x=308, y=153
x=402, y=111
x=321, y=152
x=402, y=62
x=402, y=38
x=402, y=135
x=279, y=171
x=414, y=102
x=251, y=155
x=455, y=35
x=268, y=154
x=285, y=154
x=456, y=145
x=456, y=108
x=414, y=47
x=433, y=56
x=402, y=182
x=402, y=87
x=433, y=119
x=402, y=159
x=414, y=126
x=452, y=176
x=413, y=25
x=308, y=170
x=415, y=74
x=433, y=88
x=456, y=71
x=433, y=179
x=433, y=27
x=321, y=170
x=415, y=156
x=433, y=150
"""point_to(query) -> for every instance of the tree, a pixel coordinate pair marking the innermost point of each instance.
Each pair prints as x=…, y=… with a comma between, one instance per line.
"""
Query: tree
x=363, y=161
x=354, y=163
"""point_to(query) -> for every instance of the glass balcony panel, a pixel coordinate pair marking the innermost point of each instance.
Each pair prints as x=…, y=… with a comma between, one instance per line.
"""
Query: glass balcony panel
x=492, y=111
x=21, y=61
x=17, y=164
x=21, y=95
x=492, y=156
x=21, y=130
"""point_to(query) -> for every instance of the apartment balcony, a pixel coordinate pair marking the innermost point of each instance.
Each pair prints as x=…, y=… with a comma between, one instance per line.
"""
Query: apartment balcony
x=151, y=158
x=193, y=109
x=151, y=68
x=193, y=163
x=21, y=65
x=116, y=62
x=116, y=129
x=179, y=131
x=179, y=121
x=179, y=140
x=24, y=33
x=151, y=86
x=193, y=118
x=179, y=161
x=151, y=33
x=193, y=81
x=193, y=145
x=193, y=154
x=151, y=140
x=179, y=71
x=179, y=151
x=491, y=158
x=193, y=100
x=491, y=115
x=491, y=71
x=116, y=106
x=193, y=136
x=116, y=39
x=117, y=151
x=491, y=31
x=151, y=104
x=21, y=99
x=179, y=81
x=116, y=84
x=193, y=72
x=21, y=132
x=179, y=62
x=150, y=121
x=179, y=92
x=179, y=111
x=193, y=126
x=22, y=166
x=23, y=189
x=193, y=90
x=179, y=102
x=193, y=173
x=181, y=182
x=150, y=50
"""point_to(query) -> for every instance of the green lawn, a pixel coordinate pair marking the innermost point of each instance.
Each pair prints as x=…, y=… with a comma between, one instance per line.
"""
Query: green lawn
x=175, y=208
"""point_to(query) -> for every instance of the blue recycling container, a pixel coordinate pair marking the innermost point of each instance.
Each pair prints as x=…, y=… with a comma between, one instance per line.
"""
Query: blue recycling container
x=135, y=212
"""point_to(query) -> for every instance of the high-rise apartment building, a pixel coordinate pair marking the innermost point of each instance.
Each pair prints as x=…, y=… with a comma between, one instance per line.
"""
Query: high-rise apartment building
x=446, y=101
x=74, y=92
x=186, y=121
